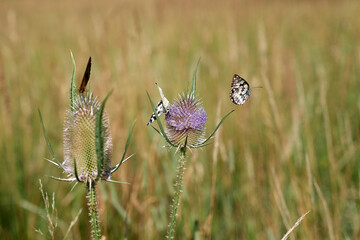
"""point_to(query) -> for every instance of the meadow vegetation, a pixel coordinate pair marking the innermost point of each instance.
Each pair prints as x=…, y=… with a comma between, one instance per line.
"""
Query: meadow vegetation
x=292, y=147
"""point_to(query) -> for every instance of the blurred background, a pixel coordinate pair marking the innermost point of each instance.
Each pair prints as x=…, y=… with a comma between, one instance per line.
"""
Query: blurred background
x=291, y=148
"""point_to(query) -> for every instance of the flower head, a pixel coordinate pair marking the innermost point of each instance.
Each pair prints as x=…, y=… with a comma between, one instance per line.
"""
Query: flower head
x=87, y=139
x=186, y=119
x=80, y=157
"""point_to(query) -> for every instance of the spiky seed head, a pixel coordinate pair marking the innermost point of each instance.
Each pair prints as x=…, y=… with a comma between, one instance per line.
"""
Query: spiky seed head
x=186, y=119
x=79, y=140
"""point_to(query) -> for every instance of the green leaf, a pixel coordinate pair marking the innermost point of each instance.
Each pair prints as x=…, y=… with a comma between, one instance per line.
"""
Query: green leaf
x=126, y=147
x=203, y=143
x=156, y=130
x=72, y=84
x=99, y=137
x=159, y=122
x=76, y=171
x=48, y=143
x=193, y=88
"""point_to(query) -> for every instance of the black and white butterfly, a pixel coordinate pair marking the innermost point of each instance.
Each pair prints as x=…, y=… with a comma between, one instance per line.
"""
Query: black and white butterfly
x=162, y=107
x=240, y=90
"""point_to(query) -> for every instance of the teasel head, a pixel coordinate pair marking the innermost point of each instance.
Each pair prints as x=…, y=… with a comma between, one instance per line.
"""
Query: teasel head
x=80, y=157
x=185, y=120
x=87, y=138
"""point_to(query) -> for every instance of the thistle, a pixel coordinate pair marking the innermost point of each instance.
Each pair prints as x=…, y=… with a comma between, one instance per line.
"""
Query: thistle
x=185, y=128
x=87, y=143
x=80, y=159
x=185, y=121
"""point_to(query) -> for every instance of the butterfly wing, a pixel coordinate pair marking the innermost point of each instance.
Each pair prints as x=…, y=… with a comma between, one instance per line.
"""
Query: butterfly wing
x=162, y=107
x=86, y=77
x=240, y=90
x=159, y=110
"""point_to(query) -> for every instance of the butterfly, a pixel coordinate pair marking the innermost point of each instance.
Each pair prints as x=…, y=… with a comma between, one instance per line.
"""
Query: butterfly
x=240, y=90
x=162, y=107
x=86, y=77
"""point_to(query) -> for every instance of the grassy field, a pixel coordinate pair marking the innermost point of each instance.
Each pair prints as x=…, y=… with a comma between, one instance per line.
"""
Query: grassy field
x=291, y=148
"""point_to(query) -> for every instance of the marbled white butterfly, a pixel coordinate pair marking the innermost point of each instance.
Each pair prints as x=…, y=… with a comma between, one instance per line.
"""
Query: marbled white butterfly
x=240, y=90
x=162, y=107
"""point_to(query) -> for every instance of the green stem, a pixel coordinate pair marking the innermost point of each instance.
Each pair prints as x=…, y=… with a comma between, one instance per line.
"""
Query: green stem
x=94, y=219
x=178, y=191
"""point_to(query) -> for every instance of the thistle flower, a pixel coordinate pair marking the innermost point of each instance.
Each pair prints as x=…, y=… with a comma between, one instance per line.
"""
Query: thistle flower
x=185, y=128
x=185, y=121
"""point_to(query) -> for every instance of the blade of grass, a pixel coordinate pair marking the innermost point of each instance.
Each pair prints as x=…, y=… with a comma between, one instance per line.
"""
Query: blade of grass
x=295, y=225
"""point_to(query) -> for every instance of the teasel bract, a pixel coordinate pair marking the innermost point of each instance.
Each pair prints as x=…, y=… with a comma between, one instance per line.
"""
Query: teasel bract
x=87, y=143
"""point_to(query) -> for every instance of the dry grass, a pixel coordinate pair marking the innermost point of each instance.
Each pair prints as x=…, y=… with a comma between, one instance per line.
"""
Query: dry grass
x=292, y=147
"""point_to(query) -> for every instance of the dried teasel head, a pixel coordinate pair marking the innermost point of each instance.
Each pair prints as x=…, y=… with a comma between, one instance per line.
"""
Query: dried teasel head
x=80, y=151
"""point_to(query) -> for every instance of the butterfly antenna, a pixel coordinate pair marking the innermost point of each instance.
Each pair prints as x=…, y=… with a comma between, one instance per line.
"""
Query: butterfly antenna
x=86, y=77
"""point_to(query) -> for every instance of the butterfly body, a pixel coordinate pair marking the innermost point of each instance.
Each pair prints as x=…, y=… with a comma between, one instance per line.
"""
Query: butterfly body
x=240, y=90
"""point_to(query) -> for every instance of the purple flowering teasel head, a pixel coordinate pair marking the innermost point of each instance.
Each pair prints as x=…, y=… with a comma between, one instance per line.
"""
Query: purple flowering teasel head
x=185, y=119
x=184, y=128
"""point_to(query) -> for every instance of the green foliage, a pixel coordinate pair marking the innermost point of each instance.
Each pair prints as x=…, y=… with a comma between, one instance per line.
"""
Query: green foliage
x=99, y=137
x=193, y=86
x=73, y=90
x=48, y=143
x=125, y=149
